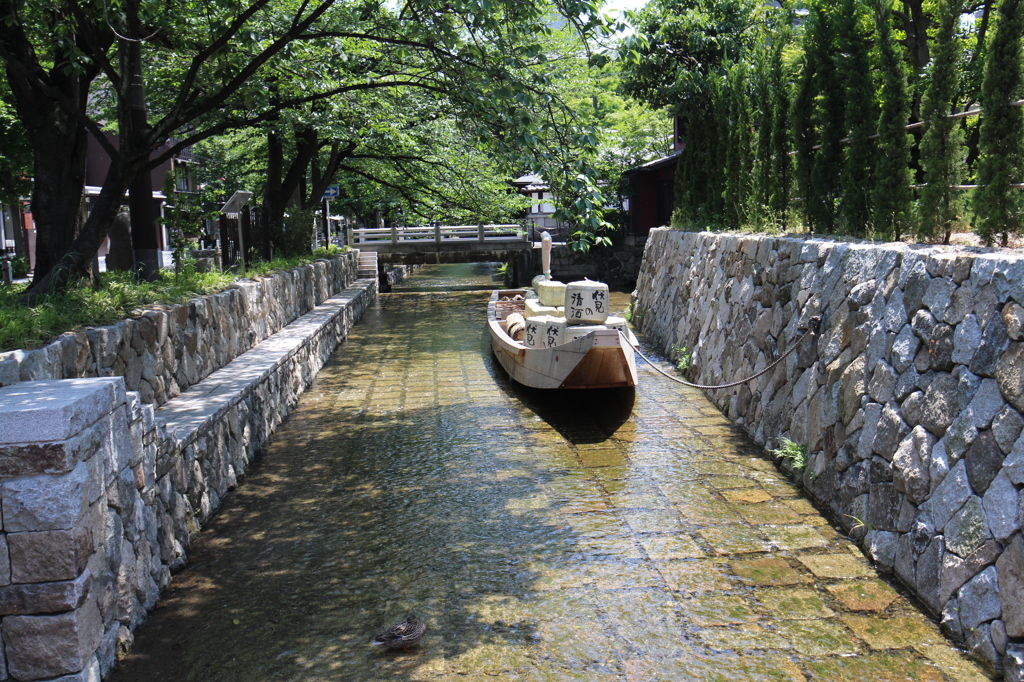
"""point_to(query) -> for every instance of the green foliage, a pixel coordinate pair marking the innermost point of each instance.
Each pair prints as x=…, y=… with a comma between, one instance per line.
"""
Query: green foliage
x=683, y=358
x=780, y=163
x=84, y=305
x=942, y=144
x=19, y=267
x=681, y=55
x=183, y=215
x=830, y=99
x=855, y=204
x=738, y=195
x=15, y=154
x=824, y=41
x=893, y=211
x=764, y=85
x=634, y=315
x=295, y=237
x=804, y=134
x=999, y=210
x=345, y=86
x=505, y=271
x=791, y=453
x=632, y=133
x=681, y=46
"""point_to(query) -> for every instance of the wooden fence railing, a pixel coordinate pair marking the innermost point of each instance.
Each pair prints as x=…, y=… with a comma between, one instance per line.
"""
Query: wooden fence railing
x=438, y=234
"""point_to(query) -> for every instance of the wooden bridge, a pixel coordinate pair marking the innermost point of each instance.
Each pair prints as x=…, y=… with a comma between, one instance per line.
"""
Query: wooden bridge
x=440, y=238
x=447, y=244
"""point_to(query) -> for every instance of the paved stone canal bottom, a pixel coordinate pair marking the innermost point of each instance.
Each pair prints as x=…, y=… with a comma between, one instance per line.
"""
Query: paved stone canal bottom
x=596, y=535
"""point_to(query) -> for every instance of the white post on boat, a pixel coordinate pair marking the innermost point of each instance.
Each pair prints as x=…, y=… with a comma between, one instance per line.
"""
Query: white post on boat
x=545, y=253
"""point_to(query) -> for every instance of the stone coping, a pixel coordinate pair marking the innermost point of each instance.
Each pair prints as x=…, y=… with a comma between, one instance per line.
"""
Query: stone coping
x=56, y=414
x=187, y=415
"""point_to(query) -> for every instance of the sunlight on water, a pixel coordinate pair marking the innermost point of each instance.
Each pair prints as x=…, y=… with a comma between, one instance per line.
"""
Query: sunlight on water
x=623, y=535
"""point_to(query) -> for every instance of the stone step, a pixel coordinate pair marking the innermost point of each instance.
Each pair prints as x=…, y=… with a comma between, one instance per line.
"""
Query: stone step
x=367, y=263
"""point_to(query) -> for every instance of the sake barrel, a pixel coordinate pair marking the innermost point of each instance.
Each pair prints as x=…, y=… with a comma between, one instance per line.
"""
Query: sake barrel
x=553, y=331
x=577, y=331
x=514, y=326
x=550, y=292
x=617, y=323
x=534, y=308
x=544, y=331
x=586, y=302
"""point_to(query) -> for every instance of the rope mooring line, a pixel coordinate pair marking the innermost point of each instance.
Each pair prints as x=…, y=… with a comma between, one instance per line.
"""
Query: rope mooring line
x=812, y=328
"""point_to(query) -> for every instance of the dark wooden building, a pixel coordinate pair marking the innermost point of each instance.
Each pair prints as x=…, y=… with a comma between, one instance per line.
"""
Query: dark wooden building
x=650, y=187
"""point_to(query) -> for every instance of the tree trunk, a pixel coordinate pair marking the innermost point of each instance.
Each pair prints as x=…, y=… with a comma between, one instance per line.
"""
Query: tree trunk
x=286, y=192
x=58, y=166
x=145, y=244
x=78, y=258
x=53, y=124
x=272, y=198
x=120, y=255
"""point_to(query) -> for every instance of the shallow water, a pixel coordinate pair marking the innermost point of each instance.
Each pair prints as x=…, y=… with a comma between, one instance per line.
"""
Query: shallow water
x=602, y=535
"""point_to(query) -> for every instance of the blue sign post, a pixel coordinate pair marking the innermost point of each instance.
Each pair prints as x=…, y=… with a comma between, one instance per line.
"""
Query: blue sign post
x=331, y=192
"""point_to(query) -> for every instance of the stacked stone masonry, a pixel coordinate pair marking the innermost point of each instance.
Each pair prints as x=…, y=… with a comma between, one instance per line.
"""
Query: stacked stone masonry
x=169, y=348
x=909, y=401
x=100, y=493
x=614, y=265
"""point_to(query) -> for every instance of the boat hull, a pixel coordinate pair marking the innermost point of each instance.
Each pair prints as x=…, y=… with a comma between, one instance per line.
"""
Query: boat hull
x=602, y=359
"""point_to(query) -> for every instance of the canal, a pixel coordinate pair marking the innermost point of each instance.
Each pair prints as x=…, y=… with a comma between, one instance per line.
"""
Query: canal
x=623, y=535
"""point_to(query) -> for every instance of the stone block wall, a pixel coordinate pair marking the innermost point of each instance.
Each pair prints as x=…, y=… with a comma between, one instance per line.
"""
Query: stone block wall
x=101, y=493
x=909, y=401
x=615, y=265
x=169, y=348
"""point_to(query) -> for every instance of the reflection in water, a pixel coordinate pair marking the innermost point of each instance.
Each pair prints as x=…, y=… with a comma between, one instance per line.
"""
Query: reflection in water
x=539, y=537
x=460, y=277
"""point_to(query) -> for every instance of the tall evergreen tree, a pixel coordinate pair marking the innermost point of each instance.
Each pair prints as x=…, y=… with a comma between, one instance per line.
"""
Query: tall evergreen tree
x=823, y=39
x=695, y=179
x=861, y=119
x=997, y=207
x=764, y=86
x=719, y=144
x=893, y=215
x=738, y=164
x=804, y=133
x=781, y=139
x=942, y=145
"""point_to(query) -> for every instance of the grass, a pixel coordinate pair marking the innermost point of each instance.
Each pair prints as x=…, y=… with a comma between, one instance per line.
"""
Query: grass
x=795, y=455
x=118, y=297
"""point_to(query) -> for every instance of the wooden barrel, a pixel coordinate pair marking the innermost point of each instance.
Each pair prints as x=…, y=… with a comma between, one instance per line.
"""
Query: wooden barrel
x=515, y=324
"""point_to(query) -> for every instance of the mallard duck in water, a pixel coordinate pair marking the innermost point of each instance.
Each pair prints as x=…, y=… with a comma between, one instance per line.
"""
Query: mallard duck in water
x=403, y=636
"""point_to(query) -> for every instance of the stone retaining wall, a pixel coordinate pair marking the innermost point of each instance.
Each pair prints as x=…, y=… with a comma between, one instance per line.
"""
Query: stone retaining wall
x=101, y=493
x=615, y=265
x=909, y=402
x=169, y=348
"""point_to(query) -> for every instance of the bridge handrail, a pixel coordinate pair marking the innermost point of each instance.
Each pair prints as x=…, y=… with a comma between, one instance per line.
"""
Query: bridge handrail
x=439, y=233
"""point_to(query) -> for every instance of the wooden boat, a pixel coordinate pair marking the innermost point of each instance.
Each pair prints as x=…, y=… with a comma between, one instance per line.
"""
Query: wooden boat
x=601, y=359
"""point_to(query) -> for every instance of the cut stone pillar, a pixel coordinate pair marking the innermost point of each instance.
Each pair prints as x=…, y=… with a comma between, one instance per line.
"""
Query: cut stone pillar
x=60, y=442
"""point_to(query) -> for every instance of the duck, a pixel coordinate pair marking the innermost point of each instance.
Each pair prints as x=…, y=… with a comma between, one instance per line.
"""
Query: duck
x=403, y=636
